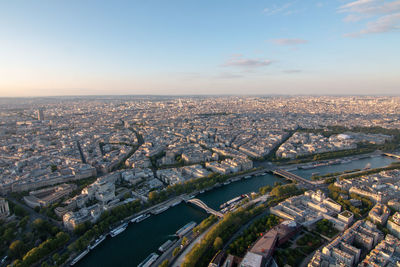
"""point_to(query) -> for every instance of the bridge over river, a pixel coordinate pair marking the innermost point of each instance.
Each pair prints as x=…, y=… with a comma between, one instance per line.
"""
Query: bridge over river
x=290, y=176
x=204, y=206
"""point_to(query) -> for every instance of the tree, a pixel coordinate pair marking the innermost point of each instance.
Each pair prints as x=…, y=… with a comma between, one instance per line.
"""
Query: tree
x=184, y=241
x=80, y=229
x=9, y=234
x=53, y=167
x=153, y=196
x=23, y=222
x=41, y=226
x=176, y=251
x=19, y=211
x=218, y=243
x=17, y=249
x=164, y=263
x=56, y=257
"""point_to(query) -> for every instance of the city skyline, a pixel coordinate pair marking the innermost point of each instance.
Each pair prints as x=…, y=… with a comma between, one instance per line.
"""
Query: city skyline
x=187, y=48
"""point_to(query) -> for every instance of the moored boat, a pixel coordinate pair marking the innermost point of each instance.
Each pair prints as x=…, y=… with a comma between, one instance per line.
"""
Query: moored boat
x=116, y=231
x=159, y=210
x=79, y=257
x=97, y=241
x=164, y=247
x=143, y=218
x=185, y=229
x=149, y=260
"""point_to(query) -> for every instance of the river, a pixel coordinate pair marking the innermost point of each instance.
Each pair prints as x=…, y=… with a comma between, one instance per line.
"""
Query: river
x=374, y=162
x=139, y=240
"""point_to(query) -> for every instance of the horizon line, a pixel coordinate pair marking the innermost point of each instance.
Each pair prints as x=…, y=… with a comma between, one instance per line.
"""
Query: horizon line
x=195, y=95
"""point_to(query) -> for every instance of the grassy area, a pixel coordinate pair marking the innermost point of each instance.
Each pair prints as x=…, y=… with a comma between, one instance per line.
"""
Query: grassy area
x=294, y=254
x=336, y=194
x=308, y=243
x=325, y=227
x=290, y=256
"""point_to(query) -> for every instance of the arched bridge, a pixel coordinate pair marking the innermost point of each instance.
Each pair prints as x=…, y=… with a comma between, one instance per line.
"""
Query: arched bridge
x=291, y=176
x=392, y=155
x=203, y=205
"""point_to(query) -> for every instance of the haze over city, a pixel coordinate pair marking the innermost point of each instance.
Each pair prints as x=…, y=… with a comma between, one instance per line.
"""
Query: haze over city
x=199, y=47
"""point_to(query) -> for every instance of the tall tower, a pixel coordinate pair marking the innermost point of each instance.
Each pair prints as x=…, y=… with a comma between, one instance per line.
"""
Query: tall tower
x=40, y=114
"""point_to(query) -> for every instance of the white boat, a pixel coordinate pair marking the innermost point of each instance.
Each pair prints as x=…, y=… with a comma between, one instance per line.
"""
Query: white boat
x=97, y=241
x=306, y=167
x=118, y=230
x=176, y=203
x=230, y=202
x=79, y=257
x=138, y=218
x=227, y=182
x=149, y=260
x=247, y=177
x=164, y=247
x=185, y=229
x=159, y=210
x=145, y=216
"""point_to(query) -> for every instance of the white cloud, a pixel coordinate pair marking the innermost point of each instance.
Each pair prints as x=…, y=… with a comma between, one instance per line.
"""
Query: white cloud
x=383, y=24
x=292, y=71
x=371, y=7
x=275, y=9
x=247, y=62
x=287, y=41
x=382, y=15
x=227, y=75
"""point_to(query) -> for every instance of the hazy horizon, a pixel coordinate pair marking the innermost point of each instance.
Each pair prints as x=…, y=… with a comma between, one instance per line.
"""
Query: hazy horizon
x=207, y=95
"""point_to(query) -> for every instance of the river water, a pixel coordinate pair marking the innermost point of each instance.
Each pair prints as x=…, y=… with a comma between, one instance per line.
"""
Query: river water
x=374, y=162
x=139, y=240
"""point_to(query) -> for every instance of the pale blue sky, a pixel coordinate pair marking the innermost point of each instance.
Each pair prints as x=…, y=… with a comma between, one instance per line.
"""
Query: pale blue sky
x=199, y=47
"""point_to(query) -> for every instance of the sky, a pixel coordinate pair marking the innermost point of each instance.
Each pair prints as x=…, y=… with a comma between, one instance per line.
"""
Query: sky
x=178, y=47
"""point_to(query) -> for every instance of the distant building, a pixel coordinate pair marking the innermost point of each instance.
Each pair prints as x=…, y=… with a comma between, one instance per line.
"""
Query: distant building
x=309, y=208
x=393, y=225
x=379, y=214
x=386, y=253
x=47, y=196
x=73, y=219
x=40, y=115
x=4, y=209
x=346, y=249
